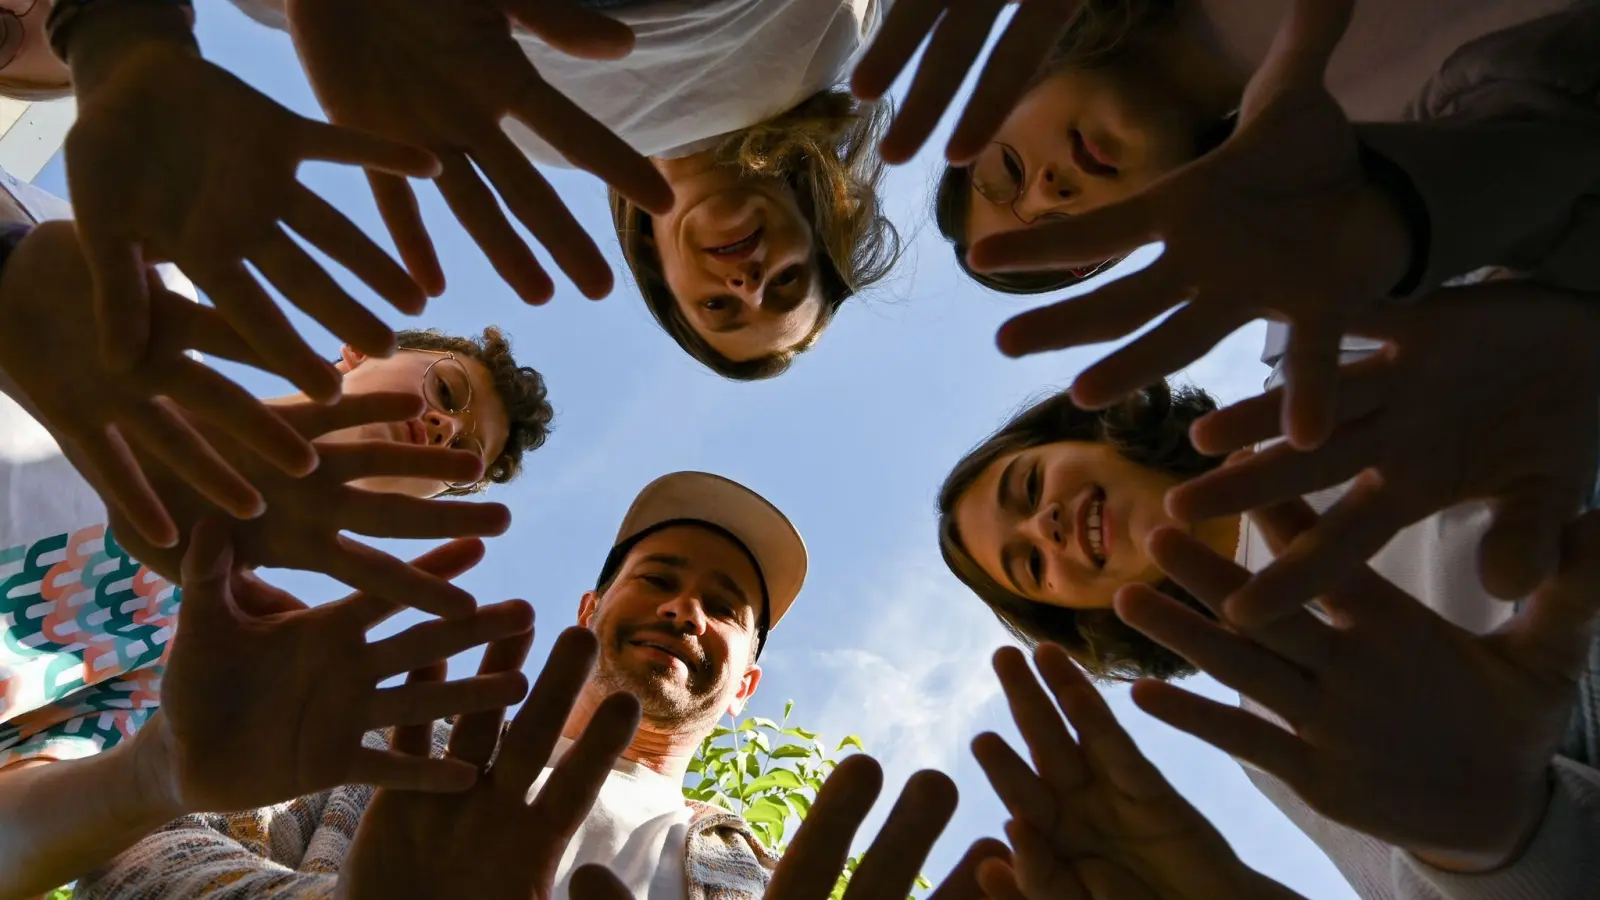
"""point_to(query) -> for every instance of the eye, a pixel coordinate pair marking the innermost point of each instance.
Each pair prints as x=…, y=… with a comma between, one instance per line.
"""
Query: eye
x=1013, y=166
x=787, y=276
x=658, y=581
x=1036, y=566
x=715, y=304
x=1032, y=487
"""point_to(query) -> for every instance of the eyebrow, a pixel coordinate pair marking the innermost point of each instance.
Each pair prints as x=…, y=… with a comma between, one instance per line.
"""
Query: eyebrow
x=1008, y=556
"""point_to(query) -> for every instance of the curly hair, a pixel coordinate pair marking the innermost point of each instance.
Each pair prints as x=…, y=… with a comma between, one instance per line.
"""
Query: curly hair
x=1150, y=429
x=1099, y=32
x=826, y=149
x=520, y=388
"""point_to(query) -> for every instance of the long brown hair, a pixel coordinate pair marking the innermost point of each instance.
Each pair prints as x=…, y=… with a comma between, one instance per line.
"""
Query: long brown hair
x=1100, y=31
x=1151, y=429
x=826, y=149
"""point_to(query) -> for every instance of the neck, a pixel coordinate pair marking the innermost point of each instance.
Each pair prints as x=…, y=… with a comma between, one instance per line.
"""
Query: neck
x=664, y=752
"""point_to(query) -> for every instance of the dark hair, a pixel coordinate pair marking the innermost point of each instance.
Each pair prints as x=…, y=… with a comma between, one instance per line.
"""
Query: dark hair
x=1150, y=429
x=619, y=554
x=520, y=388
x=826, y=149
x=1098, y=32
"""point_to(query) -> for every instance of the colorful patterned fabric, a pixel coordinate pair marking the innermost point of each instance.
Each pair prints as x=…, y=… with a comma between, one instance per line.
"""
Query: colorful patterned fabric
x=293, y=851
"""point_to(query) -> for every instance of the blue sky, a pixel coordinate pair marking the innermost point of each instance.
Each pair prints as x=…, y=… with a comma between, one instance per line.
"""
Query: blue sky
x=852, y=444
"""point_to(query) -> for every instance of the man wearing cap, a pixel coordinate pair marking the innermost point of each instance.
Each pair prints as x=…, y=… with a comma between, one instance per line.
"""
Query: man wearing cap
x=701, y=570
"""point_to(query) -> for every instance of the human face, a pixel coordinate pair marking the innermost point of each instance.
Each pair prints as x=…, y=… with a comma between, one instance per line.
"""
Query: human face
x=25, y=54
x=677, y=627
x=1080, y=140
x=740, y=259
x=482, y=426
x=1065, y=523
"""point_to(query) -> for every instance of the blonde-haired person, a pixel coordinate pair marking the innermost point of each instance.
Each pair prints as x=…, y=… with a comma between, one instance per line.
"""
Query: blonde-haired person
x=740, y=106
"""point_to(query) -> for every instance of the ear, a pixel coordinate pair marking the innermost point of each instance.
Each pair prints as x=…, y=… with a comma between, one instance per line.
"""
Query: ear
x=587, y=607
x=747, y=689
x=349, y=359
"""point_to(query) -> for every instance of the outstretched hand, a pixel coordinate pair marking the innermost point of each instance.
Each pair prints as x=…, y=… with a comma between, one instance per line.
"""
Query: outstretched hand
x=403, y=70
x=45, y=299
x=172, y=158
x=264, y=699
x=1282, y=220
x=1091, y=817
x=1484, y=392
x=1376, y=696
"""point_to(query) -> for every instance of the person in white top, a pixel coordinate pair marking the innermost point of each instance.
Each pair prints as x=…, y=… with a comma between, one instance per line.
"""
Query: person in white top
x=774, y=218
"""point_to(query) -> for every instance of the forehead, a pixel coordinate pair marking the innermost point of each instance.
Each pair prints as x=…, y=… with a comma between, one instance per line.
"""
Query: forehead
x=705, y=551
x=981, y=523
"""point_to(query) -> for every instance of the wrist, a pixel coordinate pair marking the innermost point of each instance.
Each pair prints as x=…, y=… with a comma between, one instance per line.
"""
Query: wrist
x=102, y=35
x=152, y=796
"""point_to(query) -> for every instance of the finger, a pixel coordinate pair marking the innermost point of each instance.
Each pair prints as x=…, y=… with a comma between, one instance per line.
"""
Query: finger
x=298, y=277
x=1055, y=754
x=446, y=561
x=565, y=800
x=999, y=881
x=474, y=737
x=1008, y=72
x=540, y=209
x=1090, y=239
x=121, y=296
x=381, y=575
x=440, y=639
x=328, y=230
x=422, y=704
x=403, y=772
x=893, y=861
x=533, y=733
x=1322, y=557
x=596, y=882
x=181, y=324
x=1106, y=745
x=962, y=882
x=954, y=47
x=109, y=456
x=1277, y=474
x=397, y=206
x=1023, y=792
x=258, y=320
x=417, y=740
x=571, y=28
x=480, y=214
x=1311, y=383
x=317, y=419
x=1235, y=731
x=255, y=597
x=587, y=144
x=1300, y=50
x=397, y=516
x=1553, y=629
x=1184, y=337
x=1113, y=311
x=205, y=575
x=812, y=864
x=1232, y=659
x=209, y=395
x=1522, y=547
x=1038, y=868
x=1363, y=388
x=161, y=431
x=902, y=32
x=347, y=462
x=338, y=144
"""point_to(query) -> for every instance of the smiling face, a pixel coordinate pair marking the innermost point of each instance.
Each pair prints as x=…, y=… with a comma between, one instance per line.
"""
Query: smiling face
x=464, y=411
x=677, y=627
x=1064, y=523
x=740, y=259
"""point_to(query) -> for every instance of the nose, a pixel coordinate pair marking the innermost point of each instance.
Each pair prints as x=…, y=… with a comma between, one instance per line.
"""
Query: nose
x=1050, y=188
x=748, y=278
x=1047, y=526
x=685, y=612
x=442, y=427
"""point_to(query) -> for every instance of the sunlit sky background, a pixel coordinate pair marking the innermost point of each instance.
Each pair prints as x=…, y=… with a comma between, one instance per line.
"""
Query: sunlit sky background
x=852, y=444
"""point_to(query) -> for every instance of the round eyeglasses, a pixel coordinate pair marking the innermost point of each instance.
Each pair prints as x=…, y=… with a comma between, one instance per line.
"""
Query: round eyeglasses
x=448, y=390
x=12, y=32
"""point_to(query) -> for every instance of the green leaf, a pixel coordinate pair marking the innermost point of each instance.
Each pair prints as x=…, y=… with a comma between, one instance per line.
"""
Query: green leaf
x=697, y=765
x=923, y=883
x=776, y=831
x=800, y=733
x=718, y=798
x=760, y=740
x=766, y=810
x=767, y=724
x=752, y=766
x=800, y=803
x=851, y=741
x=791, y=751
x=787, y=709
x=719, y=731
x=777, y=778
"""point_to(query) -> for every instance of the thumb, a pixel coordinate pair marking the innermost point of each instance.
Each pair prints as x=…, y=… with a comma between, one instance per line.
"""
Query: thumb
x=206, y=573
x=1552, y=631
x=570, y=28
x=1523, y=546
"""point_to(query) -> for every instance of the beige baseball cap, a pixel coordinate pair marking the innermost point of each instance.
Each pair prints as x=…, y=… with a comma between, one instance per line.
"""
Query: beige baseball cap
x=746, y=516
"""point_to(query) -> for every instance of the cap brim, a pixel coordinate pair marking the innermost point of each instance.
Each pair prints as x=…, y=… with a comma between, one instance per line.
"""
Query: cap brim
x=764, y=530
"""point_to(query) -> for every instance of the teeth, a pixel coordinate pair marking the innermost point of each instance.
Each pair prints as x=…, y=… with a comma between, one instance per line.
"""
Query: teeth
x=1096, y=539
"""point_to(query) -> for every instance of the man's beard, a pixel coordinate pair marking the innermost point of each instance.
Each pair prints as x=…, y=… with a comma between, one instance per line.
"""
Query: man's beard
x=667, y=698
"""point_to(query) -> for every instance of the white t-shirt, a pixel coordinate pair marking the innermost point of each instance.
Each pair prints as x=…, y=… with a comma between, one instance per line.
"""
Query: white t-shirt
x=638, y=828
x=699, y=69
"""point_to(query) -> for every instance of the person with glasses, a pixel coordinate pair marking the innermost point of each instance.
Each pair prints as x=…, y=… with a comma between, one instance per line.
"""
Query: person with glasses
x=29, y=69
